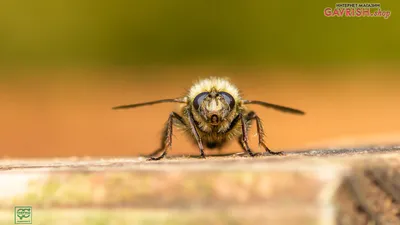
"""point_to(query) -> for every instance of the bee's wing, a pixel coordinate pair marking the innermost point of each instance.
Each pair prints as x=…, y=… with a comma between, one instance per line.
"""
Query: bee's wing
x=273, y=106
x=179, y=100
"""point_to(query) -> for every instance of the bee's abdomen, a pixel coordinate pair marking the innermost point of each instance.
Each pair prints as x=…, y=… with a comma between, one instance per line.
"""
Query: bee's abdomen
x=213, y=144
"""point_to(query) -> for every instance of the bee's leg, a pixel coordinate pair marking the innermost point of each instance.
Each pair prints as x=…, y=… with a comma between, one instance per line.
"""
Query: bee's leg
x=167, y=136
x=245, y=147
x=163, y=138
x=244, y=137
x=196, y=134
x=260, y=132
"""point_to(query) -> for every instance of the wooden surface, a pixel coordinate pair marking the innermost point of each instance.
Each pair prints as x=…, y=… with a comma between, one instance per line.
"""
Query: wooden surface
x=339, y=186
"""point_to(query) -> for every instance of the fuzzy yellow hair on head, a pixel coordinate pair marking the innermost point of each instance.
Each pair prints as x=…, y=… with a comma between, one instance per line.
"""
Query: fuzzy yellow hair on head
x=217, y=83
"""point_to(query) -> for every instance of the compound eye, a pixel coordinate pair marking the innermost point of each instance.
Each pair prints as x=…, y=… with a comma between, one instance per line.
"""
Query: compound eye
x=199, y=99
x=228, y=99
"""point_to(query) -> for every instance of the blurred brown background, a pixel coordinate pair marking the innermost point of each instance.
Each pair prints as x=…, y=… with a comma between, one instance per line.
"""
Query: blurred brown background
x=64, y=64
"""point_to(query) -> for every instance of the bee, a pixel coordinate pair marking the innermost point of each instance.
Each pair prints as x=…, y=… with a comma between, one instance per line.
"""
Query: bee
x=213, y=113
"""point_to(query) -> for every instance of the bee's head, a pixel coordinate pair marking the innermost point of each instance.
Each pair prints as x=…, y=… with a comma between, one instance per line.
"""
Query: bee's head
x=214, y=106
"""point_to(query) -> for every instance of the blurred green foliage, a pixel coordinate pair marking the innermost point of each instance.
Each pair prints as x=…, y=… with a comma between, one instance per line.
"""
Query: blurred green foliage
x=140, y=32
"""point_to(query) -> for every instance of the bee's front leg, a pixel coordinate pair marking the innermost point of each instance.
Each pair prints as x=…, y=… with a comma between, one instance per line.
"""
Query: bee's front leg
x=196, y=134
x=167, y=136
x=260, y=132
x=244, y=137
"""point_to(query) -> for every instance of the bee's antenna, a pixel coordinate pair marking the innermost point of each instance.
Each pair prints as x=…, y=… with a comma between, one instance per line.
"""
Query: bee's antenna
x=179, y=100
x=277, y=107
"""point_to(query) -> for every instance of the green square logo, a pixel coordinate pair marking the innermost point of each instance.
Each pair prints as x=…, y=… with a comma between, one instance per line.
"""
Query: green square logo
x=23, y=215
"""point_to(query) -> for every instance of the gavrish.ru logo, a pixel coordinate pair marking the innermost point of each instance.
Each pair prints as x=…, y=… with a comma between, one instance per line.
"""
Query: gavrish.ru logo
x=23, y=215
x=357, y=10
